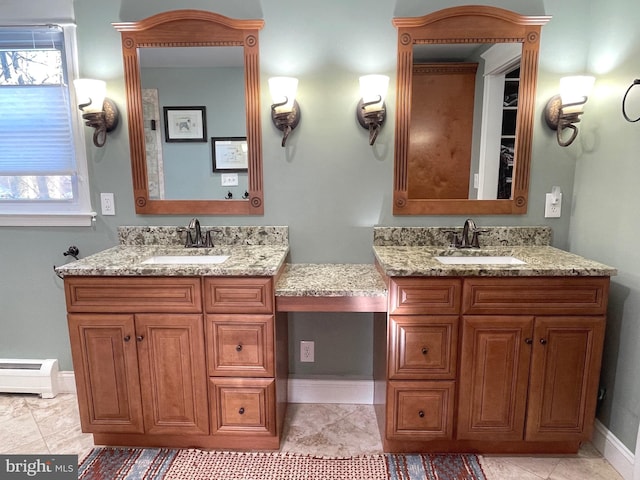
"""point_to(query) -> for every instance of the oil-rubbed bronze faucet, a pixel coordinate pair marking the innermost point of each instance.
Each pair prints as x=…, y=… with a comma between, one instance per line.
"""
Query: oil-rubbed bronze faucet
x=469, y=227
x=195, y=239
x=466, y=242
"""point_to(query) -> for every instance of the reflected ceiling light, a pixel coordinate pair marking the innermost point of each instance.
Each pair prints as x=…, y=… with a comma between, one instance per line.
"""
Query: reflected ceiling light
x=371, y=110
x=99, y=112
x=285, y=111
x=563, y=111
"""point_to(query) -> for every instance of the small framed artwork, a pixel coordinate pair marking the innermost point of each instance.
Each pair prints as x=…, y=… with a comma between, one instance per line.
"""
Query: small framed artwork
x=229, y=154
x=185, y=124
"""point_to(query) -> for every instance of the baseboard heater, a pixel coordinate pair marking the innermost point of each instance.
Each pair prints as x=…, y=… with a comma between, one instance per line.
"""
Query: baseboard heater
x=29, y=376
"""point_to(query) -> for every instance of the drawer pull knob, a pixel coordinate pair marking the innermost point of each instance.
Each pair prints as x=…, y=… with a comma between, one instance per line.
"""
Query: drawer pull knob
x=528, y=341
x=241, y=411
x=140, y=338
x=127, y=338
x=543, y=341
x=425, y=350
x=421, y=414
x=238, y=348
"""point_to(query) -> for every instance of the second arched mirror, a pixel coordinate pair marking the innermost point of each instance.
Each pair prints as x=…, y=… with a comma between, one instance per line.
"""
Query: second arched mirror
x=464, y=119
x=193, y=104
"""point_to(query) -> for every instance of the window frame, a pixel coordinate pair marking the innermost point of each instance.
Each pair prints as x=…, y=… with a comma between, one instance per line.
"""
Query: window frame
x=60, y=214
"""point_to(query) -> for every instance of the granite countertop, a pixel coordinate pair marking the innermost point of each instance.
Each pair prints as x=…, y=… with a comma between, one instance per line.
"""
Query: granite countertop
x=330, y=280
x=539, y=261
x=125, y=260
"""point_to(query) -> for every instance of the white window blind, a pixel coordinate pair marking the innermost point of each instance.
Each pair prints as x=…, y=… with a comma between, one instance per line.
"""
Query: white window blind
x=42, y=159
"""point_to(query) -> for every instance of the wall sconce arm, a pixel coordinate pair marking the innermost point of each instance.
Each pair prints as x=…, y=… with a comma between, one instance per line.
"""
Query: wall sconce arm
x=285, y=121
x=103, y=122
x=559, y=118
x=372, y=119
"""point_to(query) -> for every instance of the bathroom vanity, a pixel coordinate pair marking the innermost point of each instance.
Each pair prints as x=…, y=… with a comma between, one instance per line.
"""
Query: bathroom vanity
x=489, y=357
x=180, y=354
x=494, y=349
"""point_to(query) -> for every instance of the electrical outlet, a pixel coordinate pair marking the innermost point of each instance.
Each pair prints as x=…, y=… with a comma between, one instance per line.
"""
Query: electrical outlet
x=307, y=351
x=107, y=204
x=552, y=210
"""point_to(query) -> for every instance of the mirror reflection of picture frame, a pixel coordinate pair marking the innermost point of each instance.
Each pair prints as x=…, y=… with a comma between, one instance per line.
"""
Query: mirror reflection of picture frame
x=185, y=124
x=229, y=154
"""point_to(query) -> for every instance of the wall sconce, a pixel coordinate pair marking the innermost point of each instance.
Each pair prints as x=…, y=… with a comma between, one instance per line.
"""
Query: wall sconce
x=563, y=111
x=371, y=110
x=99, y=112
x=285, y=111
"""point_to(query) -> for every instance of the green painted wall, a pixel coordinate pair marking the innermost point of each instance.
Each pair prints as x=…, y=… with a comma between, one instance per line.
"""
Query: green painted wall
x=330, y=187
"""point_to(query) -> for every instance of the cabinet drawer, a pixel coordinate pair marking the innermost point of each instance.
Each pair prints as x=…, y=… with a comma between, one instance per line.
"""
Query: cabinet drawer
x=536, y=296
x=238, y=295
x=420, y=410
x=420, y=296
x=242, y=406
x=128, y=294
x=423, y=347
x=240, y=345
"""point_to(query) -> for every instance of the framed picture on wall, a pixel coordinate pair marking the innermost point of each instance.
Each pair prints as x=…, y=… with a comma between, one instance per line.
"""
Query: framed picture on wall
x=185, y=124
x=229, y=154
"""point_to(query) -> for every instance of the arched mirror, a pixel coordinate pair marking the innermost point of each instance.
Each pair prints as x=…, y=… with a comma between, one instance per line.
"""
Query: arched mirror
x=465, y=104
x=193, y=102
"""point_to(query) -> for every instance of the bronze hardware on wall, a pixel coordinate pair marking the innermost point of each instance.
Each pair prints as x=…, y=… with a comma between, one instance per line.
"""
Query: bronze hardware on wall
x=624, y=101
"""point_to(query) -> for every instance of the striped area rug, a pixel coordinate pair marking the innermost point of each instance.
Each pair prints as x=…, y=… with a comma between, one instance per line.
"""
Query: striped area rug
x=188, y=464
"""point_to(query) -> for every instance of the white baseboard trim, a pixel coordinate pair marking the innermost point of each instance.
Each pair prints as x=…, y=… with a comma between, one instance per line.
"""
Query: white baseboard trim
x=613, y=450
x=66, y=382
x=320, y=390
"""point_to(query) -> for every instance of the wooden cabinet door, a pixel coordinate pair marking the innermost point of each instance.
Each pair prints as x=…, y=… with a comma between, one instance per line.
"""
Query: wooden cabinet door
x=106, y=372
x=565, y=372
x=494, y=374
x=173, y=376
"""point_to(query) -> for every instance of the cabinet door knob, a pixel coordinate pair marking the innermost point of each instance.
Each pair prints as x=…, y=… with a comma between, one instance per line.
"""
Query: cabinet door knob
x=127, y=338
x=241, y=411
x=528, y=341
x=140, y=338
x=425, y=350
x=543, y=341
x=238, y=348
x=421, y=414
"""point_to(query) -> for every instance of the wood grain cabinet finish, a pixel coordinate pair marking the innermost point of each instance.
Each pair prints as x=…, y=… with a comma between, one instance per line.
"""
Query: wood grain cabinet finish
x=238, y=295
x=178, y=362
x=140, y=373
x=243, y=406
x=529, y=351
x=423, y=346
x=420, y=410
x=240, y=345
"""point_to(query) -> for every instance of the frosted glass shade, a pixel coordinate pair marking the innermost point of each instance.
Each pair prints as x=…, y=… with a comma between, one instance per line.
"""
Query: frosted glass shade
x=88, y=90
x=575, y=89
x=283, y=89
x=372, y=87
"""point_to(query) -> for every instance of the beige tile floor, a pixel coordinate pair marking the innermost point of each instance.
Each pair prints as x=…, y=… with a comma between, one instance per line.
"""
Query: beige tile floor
x=29, y=424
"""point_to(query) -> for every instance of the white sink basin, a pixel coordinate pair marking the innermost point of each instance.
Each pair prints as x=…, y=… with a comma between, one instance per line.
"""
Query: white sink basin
x=480, y=260
x=186, y=260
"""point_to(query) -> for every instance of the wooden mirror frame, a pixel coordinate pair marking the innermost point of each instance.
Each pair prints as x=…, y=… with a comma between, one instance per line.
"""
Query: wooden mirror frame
x=193, y=28
x=467, y=24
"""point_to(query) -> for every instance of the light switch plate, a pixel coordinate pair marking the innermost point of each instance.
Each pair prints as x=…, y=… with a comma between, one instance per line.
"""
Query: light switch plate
x=229, y=179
